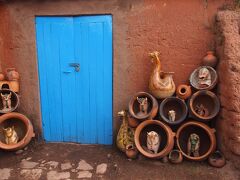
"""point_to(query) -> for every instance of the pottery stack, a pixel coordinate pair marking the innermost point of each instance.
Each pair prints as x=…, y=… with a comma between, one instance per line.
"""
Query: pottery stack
x=16, y=129
x=173, y=122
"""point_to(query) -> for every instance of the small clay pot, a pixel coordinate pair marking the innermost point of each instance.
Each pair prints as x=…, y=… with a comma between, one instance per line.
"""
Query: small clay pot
x=210, y=59
x=184, y=91
x=217, y=159
x=133, y=122
x=2, y=77
x=12, y=74
x=175, y=156
x=131, y=151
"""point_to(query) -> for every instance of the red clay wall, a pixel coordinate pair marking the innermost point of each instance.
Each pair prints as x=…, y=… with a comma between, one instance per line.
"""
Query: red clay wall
x=181, y=30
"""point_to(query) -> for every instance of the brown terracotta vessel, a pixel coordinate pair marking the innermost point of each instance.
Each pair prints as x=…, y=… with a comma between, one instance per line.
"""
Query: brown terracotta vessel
x=12, y=74
x=131, y=151
x=175, y=156
x=22, y=125
x=217, y=159
x=167, y=138
x=207, y=139
x=2, y=76
x=184, y=91
x=210, y=59
x=133, y=122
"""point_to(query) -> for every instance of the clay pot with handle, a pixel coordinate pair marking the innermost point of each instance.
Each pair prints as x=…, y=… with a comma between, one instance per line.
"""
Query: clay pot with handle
x=217, y=159
x=131, y=151
x=2, y=77
x=210, y=59
x=183, y=91
x=12, y=74
x=175, y=156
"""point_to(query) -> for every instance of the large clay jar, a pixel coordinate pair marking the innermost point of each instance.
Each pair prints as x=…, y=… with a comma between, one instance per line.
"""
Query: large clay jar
x=164, y=131
x=131, y=151
x=22, y=126
x=206, y=135
x=183, y=91
x=2, y=77
x=217, y=159
x=161, y=84
x=12, y=74
x=210, y=59
x=175, y=156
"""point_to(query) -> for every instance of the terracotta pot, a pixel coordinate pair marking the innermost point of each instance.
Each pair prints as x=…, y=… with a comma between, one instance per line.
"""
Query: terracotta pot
x=210, y=59
x=217, y=159
x=175, y=156
x=165, y=132
x=2, y=76
x=12, y=74
x=131, y=152
x=23, y=127
x=194, y=78
x=204, y=105
x=133, y=122
x=134, y=106
x=183, y=91
x=173, y=104
x=14, y=101
x=207, y=139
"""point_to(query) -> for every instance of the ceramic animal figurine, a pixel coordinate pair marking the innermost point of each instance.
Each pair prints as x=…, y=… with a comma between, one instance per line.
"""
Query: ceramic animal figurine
x=11, y=136
x=204, y=78
x=126, y=133
x=161, y=84
x=143, y=106
x=172, y=115
x=6, y=101
x=153, y=141
x=193, y=145
x=201, y=110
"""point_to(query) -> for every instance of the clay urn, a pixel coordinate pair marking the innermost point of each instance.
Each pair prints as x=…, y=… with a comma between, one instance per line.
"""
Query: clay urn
x=175, y=156
x=210, y=59
x=131, y=151
x=2, y=77
x=183, y=91
x=217, y=159
x=12, y=74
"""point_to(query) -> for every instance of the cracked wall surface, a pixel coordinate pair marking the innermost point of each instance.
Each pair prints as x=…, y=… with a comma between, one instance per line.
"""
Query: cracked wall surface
x=228, y=46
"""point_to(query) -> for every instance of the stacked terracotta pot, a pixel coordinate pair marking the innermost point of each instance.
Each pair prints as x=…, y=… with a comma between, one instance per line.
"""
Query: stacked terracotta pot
x=180, y=118
x=16, y=130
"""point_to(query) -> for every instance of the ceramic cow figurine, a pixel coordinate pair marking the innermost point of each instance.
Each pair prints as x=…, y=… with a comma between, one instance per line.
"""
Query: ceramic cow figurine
x=143, y=106
x=153, y=141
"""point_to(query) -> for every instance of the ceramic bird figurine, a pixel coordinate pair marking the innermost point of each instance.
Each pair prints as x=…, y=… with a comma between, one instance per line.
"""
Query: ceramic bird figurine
x=126, y=133
x=161, y=84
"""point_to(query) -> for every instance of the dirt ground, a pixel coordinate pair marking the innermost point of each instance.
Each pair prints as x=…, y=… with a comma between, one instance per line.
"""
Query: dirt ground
x=47, y=161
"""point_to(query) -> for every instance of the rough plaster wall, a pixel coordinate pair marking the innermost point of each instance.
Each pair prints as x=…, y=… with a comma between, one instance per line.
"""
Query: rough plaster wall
x=181, y=30
x=228, y=46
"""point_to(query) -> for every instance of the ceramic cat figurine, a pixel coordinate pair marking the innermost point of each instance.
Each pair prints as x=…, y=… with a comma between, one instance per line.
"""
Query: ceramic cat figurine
x=11, y=136
x=153, y=141
x=143, y=106
x=126, y=133
x=6, y=100
x=172, y=115
x=193, y=145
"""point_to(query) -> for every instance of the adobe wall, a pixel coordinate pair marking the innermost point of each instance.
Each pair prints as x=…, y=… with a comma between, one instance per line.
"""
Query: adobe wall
x=181, y=30
x=228, y=46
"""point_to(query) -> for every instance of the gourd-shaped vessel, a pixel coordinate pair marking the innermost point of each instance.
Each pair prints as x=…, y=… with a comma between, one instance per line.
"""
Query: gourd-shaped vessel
x=125, y=134
x=161, y=84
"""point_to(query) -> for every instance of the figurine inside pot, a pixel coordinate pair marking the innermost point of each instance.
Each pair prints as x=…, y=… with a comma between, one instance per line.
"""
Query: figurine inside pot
x=161, y=83
x=172, y=115
x=126, y=133
x=153, y=141
x=201, y=110
x=204, y=78
x=6, y=101
x=143, y=106
x=131, y=151
x=193, y=145
x=11, y=136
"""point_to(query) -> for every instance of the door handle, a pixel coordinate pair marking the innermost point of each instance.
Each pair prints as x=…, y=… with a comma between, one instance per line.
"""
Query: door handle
x=76, y=66
x=66, y=71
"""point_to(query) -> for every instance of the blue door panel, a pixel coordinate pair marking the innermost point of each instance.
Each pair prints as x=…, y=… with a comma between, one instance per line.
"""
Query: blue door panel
x=76, y=106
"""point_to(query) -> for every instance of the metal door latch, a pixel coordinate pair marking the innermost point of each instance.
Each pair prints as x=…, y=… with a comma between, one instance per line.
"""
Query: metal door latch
x=76, y=66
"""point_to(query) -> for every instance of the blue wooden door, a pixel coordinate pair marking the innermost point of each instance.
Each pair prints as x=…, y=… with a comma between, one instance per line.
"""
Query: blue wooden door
x=75, y=75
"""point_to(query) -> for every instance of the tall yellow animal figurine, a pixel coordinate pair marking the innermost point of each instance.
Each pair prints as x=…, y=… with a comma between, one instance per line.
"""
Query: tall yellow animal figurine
x=161, y=84
x=125, y=134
